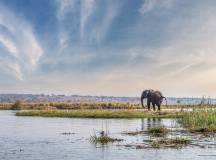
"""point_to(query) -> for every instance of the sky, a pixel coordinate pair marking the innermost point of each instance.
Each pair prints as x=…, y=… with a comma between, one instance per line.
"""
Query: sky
x=108, y=47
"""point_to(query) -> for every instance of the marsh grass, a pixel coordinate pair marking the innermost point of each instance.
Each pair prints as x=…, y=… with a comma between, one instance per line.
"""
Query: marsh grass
x=92, y=105
x=101, y=113
x=73, y=105
x=199, y=121
x=158, y=131
x=103, y=138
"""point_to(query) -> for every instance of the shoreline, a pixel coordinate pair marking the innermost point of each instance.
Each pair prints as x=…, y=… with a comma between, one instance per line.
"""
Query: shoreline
x=101, y=113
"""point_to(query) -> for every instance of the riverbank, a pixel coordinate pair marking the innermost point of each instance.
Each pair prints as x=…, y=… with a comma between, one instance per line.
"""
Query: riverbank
x=199, y=121
x=101, y=113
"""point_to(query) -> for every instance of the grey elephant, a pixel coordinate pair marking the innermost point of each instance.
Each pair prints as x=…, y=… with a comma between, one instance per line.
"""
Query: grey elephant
x=153, y=97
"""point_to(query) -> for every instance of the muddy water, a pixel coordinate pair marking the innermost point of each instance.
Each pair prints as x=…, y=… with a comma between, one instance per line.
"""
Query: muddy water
x=36, y=138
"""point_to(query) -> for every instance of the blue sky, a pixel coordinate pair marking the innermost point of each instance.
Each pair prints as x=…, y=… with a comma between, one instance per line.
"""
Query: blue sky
x=108, y=47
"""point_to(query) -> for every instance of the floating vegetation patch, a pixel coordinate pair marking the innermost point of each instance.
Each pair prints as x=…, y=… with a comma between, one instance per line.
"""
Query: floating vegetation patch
x=158, y=131
x=162, y=143
x=170, y=142
x=103, y=138
x=131, y=133
x=67, y=133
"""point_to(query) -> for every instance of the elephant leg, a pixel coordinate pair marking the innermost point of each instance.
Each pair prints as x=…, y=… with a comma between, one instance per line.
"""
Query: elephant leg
x=158, y=106
x=148, y=104
x=153, y=104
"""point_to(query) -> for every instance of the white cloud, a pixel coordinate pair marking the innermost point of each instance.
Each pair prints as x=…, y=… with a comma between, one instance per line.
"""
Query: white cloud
x=81, y=18
x=100, y=31
x=64, y=6
x=66, y=9
x=19, y=40
x=87, y=8
x=9, y=45
x=149, y=5
x=33, y=50
x=14, y=69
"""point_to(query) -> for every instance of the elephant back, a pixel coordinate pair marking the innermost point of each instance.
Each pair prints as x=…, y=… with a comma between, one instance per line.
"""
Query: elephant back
x=158, y=95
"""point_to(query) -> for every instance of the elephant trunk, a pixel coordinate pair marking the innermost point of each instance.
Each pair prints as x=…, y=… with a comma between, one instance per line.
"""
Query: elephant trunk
x=142, y=101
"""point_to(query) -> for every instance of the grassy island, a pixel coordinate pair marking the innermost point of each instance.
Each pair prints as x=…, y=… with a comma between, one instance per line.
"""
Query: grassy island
x=100, y=113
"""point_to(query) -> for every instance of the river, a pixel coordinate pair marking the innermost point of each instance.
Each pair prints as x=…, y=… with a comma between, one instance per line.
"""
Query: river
x=37, y=138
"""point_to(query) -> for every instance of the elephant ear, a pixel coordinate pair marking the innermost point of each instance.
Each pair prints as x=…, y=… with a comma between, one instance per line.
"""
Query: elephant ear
x=147, y=93
x=159, y=93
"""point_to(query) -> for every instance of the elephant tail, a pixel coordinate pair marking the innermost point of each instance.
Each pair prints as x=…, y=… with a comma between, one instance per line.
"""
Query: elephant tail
x=165, y=100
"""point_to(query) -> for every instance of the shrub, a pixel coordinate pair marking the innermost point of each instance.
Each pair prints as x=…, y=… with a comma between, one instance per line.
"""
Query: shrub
x=17, y=105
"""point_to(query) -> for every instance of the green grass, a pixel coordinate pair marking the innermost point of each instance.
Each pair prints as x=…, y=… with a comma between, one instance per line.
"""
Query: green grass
x=103, y=139
x=199, y=121
x=158, y=131
x=89, y=105
x=101, y=113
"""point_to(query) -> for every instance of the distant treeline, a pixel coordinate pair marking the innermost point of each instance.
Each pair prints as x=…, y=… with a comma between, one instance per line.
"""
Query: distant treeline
x=36, y=98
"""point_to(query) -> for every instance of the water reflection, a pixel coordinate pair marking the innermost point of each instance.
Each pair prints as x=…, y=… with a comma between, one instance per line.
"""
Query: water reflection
x=147, y=123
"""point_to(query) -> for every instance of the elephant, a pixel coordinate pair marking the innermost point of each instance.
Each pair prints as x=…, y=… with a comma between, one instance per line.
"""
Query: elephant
x=154, y=97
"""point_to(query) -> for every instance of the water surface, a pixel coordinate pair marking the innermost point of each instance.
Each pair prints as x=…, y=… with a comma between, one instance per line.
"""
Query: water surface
x=37, y=138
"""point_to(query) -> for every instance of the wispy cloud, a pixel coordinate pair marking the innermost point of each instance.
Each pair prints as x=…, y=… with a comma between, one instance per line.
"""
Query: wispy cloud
x=64, y=6
x=33, y=51
x=18, y=39
x=87, y=8
x=149, y=5
x=9, y=45
x=16, y=70
x=100, y=30
x=67, y=16
x=81, y=17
